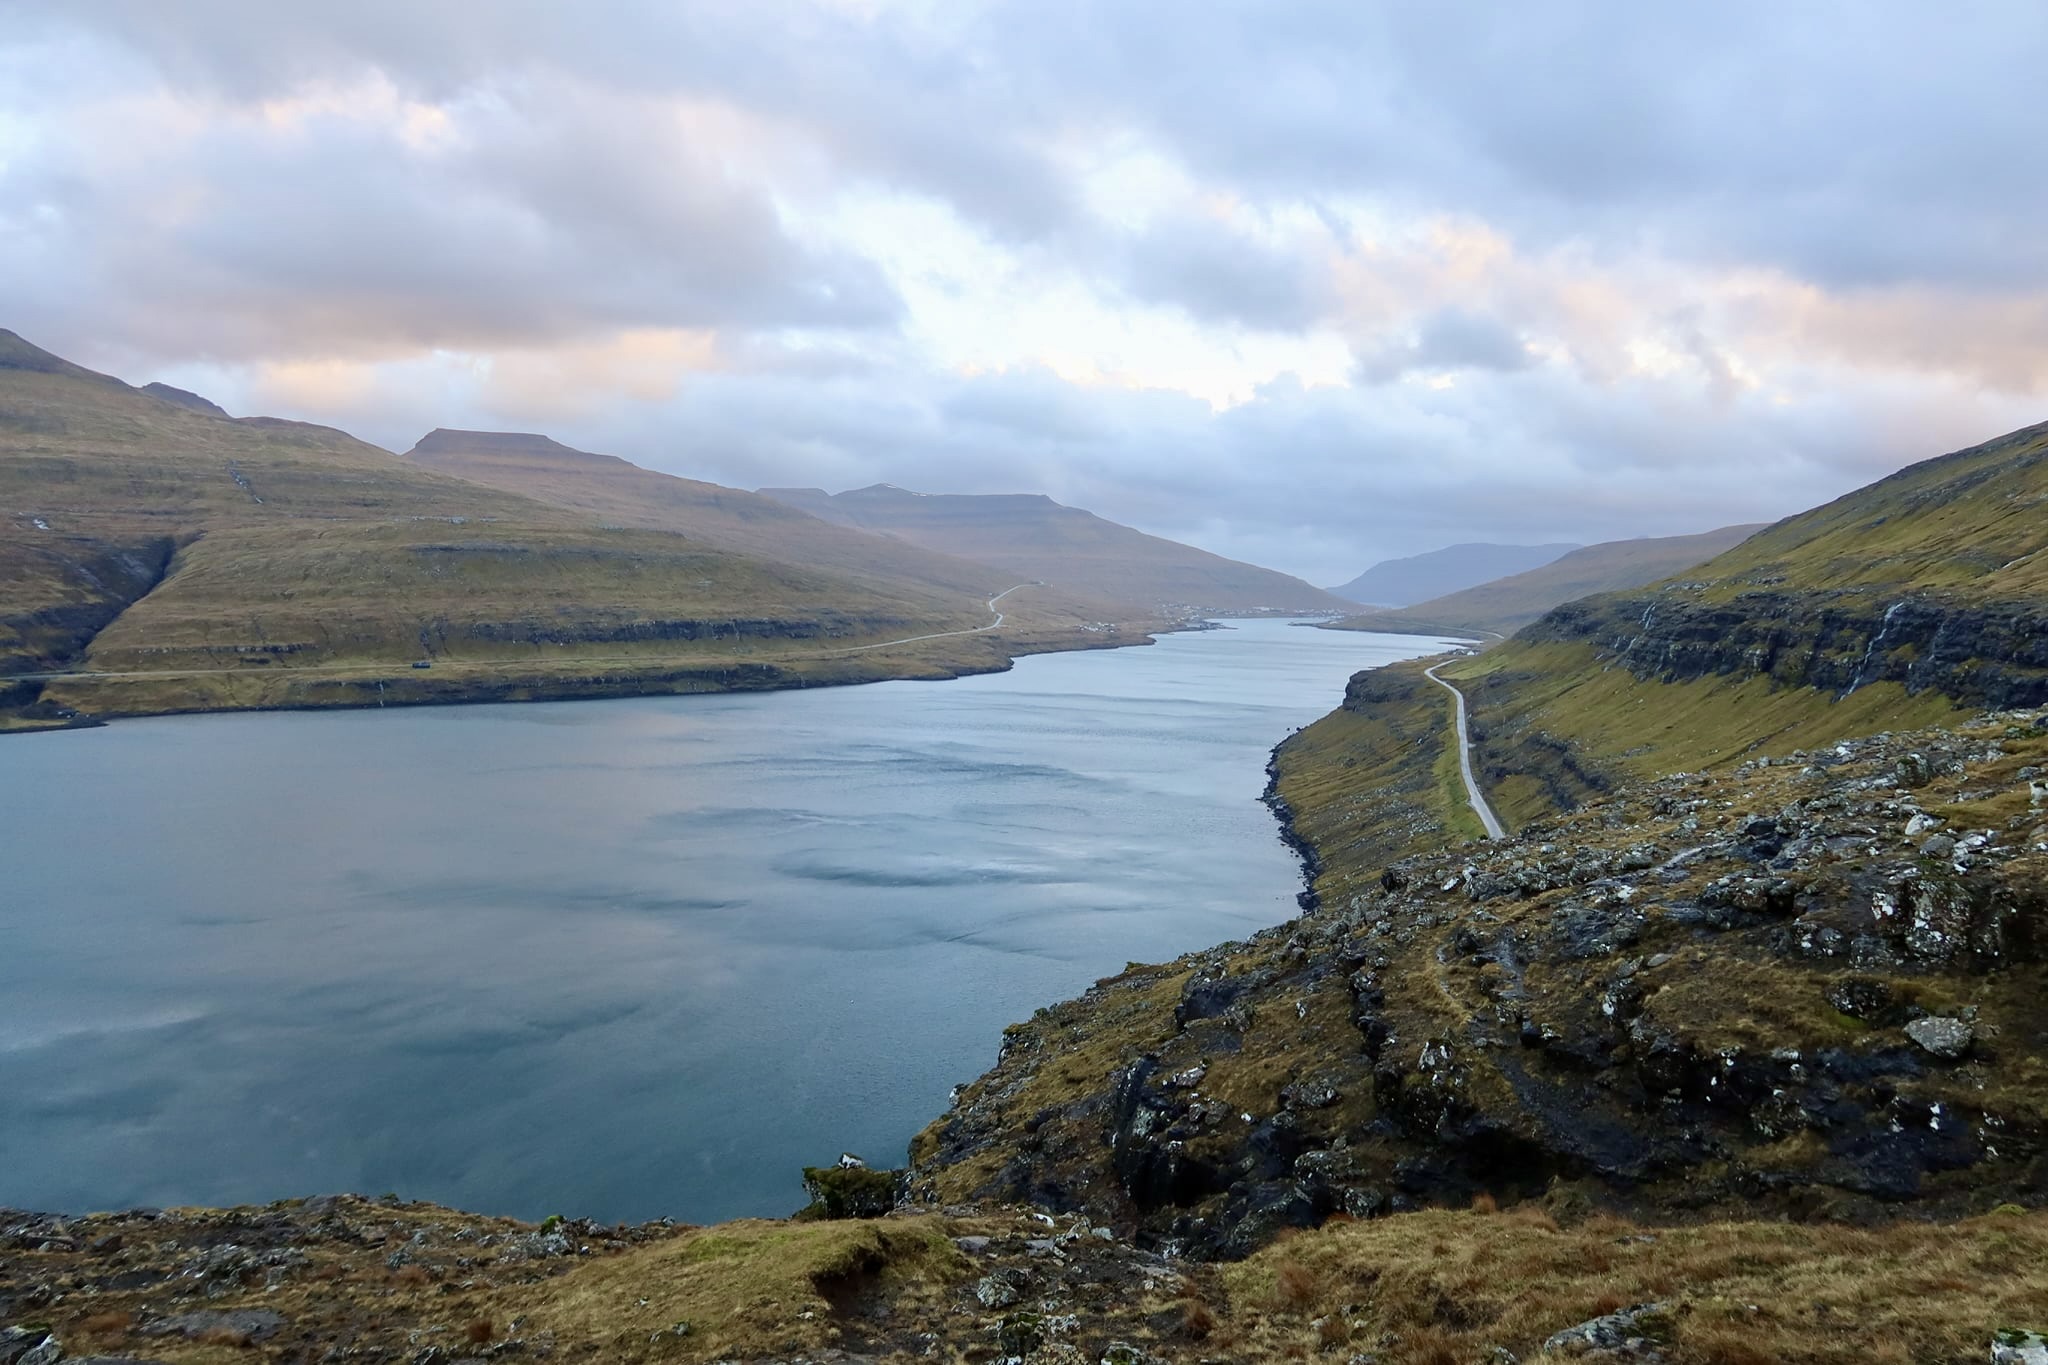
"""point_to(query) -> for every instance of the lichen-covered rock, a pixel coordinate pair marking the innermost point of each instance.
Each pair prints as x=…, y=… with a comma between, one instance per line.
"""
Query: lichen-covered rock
x=29, y=1346
x=1685, y=998
x=2011, y=1347
x=1634, y=1335
x=1948, y=1038
x=850, y=1191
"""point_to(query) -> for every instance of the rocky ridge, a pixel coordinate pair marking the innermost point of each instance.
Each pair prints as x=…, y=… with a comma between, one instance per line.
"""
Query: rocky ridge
x=1810, y=985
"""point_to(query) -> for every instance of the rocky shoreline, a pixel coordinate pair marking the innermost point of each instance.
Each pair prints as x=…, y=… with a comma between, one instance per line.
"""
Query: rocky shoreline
x=1812, y=987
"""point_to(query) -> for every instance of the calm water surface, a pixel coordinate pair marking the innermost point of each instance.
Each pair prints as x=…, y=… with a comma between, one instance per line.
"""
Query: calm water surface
x=620, y=959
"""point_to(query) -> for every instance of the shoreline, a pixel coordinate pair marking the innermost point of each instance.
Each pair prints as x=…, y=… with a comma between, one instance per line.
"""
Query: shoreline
x=404, y=688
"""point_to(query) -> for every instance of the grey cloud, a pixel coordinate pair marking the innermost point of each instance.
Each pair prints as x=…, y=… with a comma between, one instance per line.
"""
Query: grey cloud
x=1218, y=275
x=1858, y=147
x=560, y=213
x=1857, y=143
x=1448, y=339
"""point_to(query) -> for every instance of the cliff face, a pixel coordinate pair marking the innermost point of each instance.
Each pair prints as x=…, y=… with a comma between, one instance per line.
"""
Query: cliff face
x=1990, y=653
x=1812, y=987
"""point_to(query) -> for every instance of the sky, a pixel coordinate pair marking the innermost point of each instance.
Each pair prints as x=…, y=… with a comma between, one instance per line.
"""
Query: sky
x=1310, y=284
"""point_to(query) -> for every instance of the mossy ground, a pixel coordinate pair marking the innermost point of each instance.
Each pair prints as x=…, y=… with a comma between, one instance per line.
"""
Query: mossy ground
x=1414, y=1289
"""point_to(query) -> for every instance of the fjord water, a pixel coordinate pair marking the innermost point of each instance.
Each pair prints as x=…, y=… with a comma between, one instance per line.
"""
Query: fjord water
x=618, y=959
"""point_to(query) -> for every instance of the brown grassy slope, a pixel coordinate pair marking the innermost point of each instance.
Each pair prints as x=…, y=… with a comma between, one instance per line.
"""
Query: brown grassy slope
x=1505, y=605
x=290, y=547
x=302, y=1279
x=1031, y=536
x=619, y=493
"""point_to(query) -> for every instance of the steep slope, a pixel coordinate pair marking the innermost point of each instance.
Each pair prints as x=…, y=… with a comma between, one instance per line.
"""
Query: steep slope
x=155, y=555
x=1811, y=989
x=1505, y=605
x=619, y=493
x=1910, y=601
x=1420, y=578
x=1031, y=536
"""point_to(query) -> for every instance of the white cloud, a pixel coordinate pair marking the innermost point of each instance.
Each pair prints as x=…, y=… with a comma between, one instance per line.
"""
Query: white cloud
x=1310, y=283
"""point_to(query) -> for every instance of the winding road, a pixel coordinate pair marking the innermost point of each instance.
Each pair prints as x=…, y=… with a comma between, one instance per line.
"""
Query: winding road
x=1472, y=792
x=996, y=624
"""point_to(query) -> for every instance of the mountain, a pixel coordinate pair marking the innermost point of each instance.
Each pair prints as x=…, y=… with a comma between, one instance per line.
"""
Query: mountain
x=1908, y=602
x=1767, y=937
x=184, y=398
x=1031, y=536
x=624, y=494
x=156, y=555
x=1507, y=604
x=1419, y=578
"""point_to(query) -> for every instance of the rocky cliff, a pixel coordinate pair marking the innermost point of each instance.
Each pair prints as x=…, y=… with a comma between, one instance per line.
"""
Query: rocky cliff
x=1811, y=986
x=1981, y=653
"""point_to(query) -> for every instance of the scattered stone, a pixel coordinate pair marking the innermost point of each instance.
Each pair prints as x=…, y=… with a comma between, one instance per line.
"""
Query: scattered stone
x=2010, y=1347
x=1634, y=1335
x=1020, y=1333
x=29, y=1346
x=1949, y=1038
x=1002, y=1289
x=253, y=1324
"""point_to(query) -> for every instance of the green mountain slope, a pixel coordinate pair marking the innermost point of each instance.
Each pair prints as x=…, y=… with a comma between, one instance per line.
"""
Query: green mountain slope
x=1771, y=932
x=155, y=555
x=1031, y=536
x=1901, y=604
x=1505, y=605
x=620, y=493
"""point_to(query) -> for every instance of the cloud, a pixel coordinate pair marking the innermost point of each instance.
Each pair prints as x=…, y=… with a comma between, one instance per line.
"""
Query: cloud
x=1448, y=339
x=1308, y=282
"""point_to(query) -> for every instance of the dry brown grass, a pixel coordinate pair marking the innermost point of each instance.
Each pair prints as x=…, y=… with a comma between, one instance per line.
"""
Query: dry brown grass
x=1436, y=1286
x=107, y=1324
x=747, y=1289
x=1295, y=1286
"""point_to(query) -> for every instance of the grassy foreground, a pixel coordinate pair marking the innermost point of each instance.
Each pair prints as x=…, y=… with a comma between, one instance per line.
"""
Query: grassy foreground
x=352, y=1279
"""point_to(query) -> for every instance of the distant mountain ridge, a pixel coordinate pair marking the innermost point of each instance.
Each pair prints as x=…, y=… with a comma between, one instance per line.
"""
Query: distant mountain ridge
x=1034, y=537
x=625, y=494
x=1505, y=605
x=1420, y=578
x=157, y=555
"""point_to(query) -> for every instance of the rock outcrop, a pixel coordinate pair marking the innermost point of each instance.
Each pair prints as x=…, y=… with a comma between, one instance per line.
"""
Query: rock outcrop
x=1758, y=989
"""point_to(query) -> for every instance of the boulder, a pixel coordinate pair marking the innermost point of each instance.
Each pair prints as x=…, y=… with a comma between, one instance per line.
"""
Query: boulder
x=251, y=1324
x=1635, y=1334
x=2019, y=1348
x=1947, y=1038
x=29, y=1346
x=849, y=1192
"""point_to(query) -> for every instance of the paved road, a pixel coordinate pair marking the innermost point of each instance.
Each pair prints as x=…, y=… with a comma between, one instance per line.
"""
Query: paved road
x=1472, y=792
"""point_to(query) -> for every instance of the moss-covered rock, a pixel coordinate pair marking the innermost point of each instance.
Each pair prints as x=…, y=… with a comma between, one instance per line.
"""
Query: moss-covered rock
x=849, y=1192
